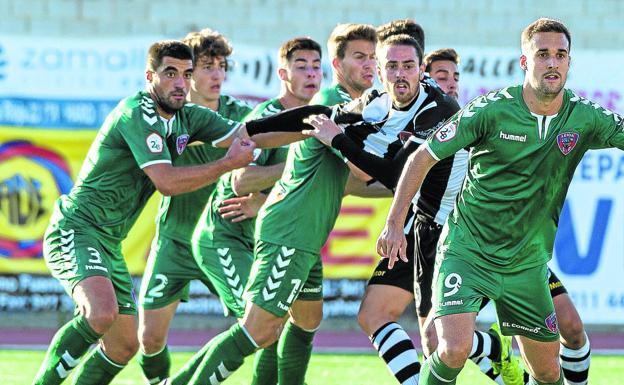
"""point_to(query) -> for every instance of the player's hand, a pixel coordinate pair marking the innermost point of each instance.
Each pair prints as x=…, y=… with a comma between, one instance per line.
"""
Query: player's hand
x=325, y=129
x=240, y=208
x=240, y=153
x=392, y=244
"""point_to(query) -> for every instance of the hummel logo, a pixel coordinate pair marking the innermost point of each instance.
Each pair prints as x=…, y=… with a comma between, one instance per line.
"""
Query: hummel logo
x=515, y=138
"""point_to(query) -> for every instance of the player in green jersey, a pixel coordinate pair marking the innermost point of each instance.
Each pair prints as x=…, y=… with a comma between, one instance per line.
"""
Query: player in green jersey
x=310, y=165
x=129, y=159
x=170, y=267
x=224, y=249
x=526, y=142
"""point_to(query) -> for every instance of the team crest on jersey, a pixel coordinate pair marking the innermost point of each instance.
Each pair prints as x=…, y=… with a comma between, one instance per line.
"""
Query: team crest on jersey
x=181, y=143
x=551, y=322
x=566, y=141
x=447, y=132
x=154, y=143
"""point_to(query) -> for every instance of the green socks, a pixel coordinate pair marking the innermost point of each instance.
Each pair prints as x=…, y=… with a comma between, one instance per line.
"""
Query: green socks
x=97, y=369
x=69, y=344
x=294, y=351
x=265, y=366
x=156, y=367
x=436, y=372
x=225, y=353
x=183, y=376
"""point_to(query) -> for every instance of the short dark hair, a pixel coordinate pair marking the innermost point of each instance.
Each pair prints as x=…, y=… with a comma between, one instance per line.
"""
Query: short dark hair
x=440, y=54
x=207, y=43
x=400, y=27
x=544, y=24
x=404, y=39
x=172, y=48
x=344, y=33
x=287, y=49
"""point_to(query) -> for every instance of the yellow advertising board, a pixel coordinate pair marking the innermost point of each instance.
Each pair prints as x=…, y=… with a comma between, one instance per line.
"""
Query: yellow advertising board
x=37, y=165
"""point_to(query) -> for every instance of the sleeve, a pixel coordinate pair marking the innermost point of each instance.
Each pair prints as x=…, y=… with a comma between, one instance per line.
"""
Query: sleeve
x=286, y=121
x=209, y=126
x=385, y=170
x=609, y=128
x=462, y=130
x=145, y=139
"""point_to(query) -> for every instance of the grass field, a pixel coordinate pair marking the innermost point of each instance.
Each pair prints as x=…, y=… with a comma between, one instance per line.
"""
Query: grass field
x=17, y=367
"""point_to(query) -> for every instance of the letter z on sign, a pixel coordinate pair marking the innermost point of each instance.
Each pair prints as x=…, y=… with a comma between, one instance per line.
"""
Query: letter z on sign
x=446, y=133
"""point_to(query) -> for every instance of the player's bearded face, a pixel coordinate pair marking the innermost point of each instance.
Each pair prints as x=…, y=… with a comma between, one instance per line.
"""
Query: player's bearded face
x=170, y=82
x=357, y=68
x=547, y=63
x=400, y=72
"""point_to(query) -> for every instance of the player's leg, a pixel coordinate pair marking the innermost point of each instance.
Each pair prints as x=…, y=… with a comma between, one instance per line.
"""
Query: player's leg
x=575, y=354
x=112, y=354
x=527, y=311
x=276, y=278
x=168, y=272
x=82, y=265
x=454, y=342
x=119, y=344
x=295, y=344
x=225, y=271
x=541, y=359
x=377, y=317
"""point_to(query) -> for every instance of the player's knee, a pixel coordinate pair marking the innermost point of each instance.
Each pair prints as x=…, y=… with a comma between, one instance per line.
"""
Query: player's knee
x=266, y=334
x=371, y=317
x=454, y=353
x=548, y=371
x=429, y=340
x=102, y=318
x=573, y=333
x=310, y=322
x=151, y=342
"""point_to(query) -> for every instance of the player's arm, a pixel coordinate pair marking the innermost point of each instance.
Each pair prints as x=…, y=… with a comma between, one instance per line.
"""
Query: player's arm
x=392, y=240
x=255, y=178
x=240, y=208
x=358, y=187
x=170, y=180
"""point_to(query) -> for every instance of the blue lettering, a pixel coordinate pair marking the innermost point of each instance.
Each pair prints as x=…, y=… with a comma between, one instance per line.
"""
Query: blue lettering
x=605, y=163
x=619, y=173
x=566, y=245
x=586, y=169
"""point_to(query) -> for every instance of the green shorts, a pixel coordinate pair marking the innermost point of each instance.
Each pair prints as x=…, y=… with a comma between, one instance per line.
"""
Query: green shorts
x=168, y=273
x=227, y=268
x=280, y=275
x=523, y=302
x=73, y=253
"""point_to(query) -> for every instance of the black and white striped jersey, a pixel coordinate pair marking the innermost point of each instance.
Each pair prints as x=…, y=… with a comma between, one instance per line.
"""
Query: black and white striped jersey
x=374, y=125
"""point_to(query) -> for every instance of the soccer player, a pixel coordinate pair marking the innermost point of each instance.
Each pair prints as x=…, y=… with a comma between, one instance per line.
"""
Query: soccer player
x=170, y=267
x=217, y=240
x=130, y=158
x=526, y=142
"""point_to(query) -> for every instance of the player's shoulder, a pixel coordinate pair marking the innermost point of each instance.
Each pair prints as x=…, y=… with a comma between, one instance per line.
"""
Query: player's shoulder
x=233, y=108
x=494, y=102
x=137, y=109
x=266, y=108
x=446, y=104
x=335, y=94
x=587, y=106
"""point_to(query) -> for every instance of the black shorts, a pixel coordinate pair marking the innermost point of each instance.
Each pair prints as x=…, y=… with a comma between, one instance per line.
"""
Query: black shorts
x=555, y=285
x=402, y=274
x=422, y=241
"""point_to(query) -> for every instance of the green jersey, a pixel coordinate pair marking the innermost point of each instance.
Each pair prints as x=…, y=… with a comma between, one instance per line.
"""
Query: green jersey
x=112, y=188
x=178, y=215
x=303, y=205
x=520, y=167
x=215, y=231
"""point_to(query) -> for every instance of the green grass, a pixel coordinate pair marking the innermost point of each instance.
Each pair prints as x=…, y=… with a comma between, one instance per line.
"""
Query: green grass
x=17, y=367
